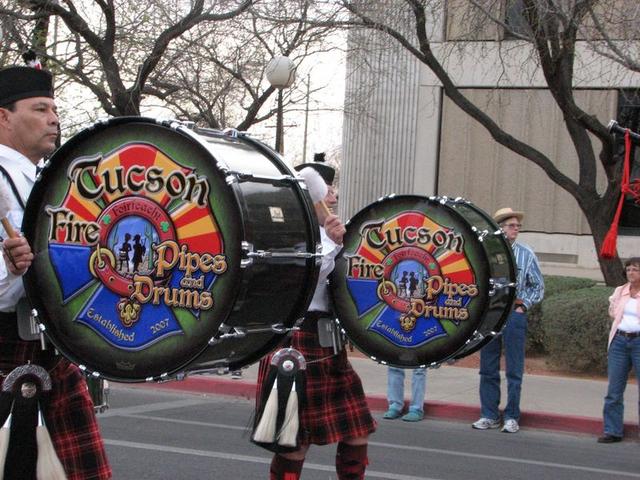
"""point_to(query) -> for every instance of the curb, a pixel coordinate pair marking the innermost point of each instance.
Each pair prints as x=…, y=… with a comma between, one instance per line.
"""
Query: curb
x=433, y=409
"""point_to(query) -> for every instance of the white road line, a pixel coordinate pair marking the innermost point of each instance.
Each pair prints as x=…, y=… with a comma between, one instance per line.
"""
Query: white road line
x=136, y=412
x=508, y=459
x=248, y=458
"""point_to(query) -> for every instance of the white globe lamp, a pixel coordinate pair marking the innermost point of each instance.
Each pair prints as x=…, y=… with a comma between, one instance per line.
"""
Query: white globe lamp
x=281, y=73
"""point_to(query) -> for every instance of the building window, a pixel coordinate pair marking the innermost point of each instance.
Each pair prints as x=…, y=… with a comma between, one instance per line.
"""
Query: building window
x=515, y=19
x=629, y=117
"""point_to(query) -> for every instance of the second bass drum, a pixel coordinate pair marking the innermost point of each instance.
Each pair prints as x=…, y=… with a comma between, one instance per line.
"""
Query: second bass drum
x=422, y=280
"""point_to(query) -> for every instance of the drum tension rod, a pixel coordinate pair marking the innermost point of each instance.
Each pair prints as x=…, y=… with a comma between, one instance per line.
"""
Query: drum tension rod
x=279, y=180
x=248, y=250
x=240, y=332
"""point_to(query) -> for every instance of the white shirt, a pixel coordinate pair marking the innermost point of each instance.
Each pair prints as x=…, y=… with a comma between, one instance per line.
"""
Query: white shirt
x=630, y=321
x=23, y=174
x=330, y=250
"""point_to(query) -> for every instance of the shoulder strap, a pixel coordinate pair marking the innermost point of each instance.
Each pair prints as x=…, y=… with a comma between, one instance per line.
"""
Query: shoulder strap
x=13, y=186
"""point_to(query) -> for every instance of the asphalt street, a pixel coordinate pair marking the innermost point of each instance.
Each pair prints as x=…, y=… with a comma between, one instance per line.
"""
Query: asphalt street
x=154, y=434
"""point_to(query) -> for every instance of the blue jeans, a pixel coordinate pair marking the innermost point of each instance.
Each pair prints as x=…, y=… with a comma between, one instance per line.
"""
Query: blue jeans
x=395, y=389
x=513, y=340
x=623, y=354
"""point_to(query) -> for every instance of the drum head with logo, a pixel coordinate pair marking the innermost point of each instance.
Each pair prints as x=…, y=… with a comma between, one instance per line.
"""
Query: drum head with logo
x=411, y=284
x=137, y=249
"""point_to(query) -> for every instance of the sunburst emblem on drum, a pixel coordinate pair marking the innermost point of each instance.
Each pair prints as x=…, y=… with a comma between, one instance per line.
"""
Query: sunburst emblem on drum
x=144, y=243
x=412, y=275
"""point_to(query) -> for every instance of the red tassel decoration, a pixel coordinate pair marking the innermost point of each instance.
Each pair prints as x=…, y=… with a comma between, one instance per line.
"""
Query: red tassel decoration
x=608, y=249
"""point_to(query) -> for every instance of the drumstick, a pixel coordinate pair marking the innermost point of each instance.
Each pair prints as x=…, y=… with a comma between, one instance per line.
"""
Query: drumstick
x=4, y=211
x=317, y=187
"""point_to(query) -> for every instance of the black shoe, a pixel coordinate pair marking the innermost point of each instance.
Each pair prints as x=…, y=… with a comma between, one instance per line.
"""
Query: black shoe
x=609, y=439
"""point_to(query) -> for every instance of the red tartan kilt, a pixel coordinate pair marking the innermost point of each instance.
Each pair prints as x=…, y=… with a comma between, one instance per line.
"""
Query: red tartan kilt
x=336, y=407
x=69, y=412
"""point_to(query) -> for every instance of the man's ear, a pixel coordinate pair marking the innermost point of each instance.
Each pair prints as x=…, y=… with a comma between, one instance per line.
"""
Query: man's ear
x=4, y=117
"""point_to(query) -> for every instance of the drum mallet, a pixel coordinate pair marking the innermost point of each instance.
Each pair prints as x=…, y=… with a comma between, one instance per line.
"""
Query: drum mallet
x=317, y=187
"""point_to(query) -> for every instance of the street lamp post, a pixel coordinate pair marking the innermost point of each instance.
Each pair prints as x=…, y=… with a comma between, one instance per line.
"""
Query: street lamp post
x=281, y=73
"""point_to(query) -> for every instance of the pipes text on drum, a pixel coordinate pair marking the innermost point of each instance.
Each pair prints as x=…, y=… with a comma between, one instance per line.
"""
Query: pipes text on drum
x=193, y=293
x=169, y=254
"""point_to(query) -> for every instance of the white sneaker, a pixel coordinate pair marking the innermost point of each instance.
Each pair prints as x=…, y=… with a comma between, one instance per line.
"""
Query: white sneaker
x=510, y=426
x=486, y=424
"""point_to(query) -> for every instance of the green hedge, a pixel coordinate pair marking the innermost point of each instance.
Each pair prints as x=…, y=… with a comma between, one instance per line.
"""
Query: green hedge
x=553, y=285
x=575, y=327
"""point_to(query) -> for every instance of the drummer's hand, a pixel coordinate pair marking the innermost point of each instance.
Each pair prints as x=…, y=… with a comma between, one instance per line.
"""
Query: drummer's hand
x=17, y=254
x=335, y=229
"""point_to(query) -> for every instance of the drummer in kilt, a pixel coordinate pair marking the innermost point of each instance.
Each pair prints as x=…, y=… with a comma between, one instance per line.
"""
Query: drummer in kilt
x=28, y=132
x=335, y=408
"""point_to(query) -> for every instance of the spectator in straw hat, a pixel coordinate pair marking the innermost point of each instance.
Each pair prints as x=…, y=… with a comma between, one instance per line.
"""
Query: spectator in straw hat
x=529, y=291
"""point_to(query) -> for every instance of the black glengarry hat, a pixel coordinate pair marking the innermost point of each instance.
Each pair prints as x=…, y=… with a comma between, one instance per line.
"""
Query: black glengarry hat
x=18, y=83
x=326, y=172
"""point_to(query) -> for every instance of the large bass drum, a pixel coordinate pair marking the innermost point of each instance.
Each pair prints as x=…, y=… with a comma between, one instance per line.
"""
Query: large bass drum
x=422, y=280
x=161, y=249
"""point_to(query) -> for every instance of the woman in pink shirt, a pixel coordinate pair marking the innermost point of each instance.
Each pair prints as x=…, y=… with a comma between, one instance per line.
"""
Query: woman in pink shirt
x=624, y=349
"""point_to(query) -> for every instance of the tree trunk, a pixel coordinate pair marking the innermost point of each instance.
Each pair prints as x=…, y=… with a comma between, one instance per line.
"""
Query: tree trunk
x=127, y=103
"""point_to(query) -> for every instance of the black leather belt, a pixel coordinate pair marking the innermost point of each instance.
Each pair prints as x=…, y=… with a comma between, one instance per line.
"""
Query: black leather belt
x=310, y=323
x=628, y=334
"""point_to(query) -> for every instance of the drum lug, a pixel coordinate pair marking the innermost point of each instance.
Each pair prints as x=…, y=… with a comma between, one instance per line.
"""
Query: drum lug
x=477, y=337
x=279, y=328
x=481, y=233
x=495, y=286
x=247, y=248
x=41, y=327
x=229, y=332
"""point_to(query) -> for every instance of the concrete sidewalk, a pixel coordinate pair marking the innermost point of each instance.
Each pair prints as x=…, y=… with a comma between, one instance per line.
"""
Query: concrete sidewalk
x=548, y=402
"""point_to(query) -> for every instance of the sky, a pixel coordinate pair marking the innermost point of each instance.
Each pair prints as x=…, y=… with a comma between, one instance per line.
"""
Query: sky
x=326, y=73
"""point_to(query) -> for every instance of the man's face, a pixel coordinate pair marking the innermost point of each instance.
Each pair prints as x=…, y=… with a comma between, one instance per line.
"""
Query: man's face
x=511, y=228
x=332, y=198
x=32, y=128
x=331, y=201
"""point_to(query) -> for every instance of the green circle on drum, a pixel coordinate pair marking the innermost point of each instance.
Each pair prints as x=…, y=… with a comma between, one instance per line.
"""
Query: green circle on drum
x=418, y=283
